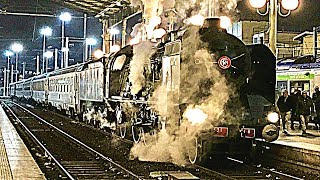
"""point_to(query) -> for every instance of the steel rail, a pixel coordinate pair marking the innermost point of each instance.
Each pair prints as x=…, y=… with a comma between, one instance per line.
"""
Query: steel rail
x=81, y=143
x=37, y=140
x=266, y=169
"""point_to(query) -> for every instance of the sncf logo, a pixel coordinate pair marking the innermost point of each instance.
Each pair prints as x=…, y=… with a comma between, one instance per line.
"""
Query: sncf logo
x=224, y=62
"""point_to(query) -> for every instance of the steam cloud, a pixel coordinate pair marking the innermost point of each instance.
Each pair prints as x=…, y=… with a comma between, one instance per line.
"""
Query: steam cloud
x=202, y=86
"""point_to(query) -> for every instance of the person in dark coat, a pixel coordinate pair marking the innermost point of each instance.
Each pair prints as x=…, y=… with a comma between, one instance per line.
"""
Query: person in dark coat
x=304, y=108
x=316, y=101
x=295, y=116
x=285, y=105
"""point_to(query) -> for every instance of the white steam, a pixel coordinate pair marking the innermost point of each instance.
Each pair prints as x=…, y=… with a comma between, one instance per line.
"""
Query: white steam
x=138, y=64
x=203, y=91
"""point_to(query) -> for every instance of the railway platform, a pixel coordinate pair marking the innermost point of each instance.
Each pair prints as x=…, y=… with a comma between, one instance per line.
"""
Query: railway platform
x=294, y=138
x=16, y=162
x=295, y=151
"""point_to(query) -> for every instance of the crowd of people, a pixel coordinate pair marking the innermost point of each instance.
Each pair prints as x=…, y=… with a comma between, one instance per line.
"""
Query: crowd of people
x=299, y=107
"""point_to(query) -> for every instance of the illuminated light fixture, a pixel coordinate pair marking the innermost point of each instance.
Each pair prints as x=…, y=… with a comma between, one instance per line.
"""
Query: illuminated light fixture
x=98, y=54
x=290, y=4
x=91, y=41
x=16, y=47
x=114, y=48
x=65, y=16
x=47, y=31
x=257, y=3
x=48, y=54
x=114, y=31
x=273, y=117
x=64, y=49
x=8, y=53
x=196, y=20
x=159, y=33
x=225, y=22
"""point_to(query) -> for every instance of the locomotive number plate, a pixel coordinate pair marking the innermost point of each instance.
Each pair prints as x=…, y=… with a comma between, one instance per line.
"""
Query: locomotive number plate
x=220, y=132
x=248, y=133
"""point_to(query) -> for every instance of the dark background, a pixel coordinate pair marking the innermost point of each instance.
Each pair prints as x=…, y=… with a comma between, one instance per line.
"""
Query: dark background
x=25, y=29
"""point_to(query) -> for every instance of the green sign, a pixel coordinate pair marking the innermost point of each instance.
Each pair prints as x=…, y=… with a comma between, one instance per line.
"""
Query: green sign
x=306, y=76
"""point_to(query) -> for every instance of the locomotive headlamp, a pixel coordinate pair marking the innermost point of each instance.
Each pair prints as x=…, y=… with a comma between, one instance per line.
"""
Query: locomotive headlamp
x=290, y=4
x=258, y=3
x=273, y=117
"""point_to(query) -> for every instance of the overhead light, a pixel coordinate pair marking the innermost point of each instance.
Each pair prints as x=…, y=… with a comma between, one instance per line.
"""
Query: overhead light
x=16, y=47
x=8, y=53
x=91, y=41
x=47, y=31
x=98, y=54
x=114, y=31
x=290, y=4
x=257, y=3
x=65, y=16
x=48, y=54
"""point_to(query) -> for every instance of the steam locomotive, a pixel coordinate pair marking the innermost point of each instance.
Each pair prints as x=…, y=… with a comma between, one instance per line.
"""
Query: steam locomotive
x=99, y=92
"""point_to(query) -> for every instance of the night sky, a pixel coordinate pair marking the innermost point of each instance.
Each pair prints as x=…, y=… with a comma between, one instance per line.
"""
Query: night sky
x=25, y=29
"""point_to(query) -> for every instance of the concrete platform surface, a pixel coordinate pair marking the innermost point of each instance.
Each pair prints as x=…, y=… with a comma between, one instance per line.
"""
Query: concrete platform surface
x=294, y=138
x=15, y=159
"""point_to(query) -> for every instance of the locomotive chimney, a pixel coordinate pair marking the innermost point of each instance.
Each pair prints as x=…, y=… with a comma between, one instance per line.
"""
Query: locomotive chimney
x=213, y=23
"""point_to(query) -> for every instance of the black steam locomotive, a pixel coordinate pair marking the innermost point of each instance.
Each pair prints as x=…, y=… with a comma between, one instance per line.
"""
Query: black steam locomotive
x=190, y=67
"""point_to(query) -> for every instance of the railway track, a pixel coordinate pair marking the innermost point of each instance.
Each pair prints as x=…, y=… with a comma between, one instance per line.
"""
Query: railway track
x=235, y=169
x=74, y=159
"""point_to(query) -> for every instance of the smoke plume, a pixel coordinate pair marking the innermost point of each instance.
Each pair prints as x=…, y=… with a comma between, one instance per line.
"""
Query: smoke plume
x=202, y=88
x=140, y=60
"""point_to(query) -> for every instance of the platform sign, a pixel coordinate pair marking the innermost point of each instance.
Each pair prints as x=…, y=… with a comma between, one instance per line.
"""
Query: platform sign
x=220, y=132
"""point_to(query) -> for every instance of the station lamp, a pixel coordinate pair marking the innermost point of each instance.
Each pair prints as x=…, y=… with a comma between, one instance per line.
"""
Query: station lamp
x=273, y=8
x=8, y=54
x=257, y=3
x=65, y=16
x=91, y=41
x=16, y=47
x=290, y=4
x=114, y=31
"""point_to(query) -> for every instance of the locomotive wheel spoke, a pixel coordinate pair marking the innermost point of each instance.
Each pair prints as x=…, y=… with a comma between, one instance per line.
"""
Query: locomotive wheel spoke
x=122, y=130
x=137, y=134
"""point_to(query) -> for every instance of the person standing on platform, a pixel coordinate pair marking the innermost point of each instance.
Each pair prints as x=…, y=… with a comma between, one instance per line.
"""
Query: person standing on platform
x=295, y=116
x=304, y=110
x=316, y=101
x=285, y=105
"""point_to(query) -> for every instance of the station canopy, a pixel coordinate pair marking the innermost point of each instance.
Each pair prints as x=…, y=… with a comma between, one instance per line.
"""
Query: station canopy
x=99, y=8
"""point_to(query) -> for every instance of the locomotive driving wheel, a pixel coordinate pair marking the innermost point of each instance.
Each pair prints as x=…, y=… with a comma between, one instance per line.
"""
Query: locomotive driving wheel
x=137, y=130
x=137, y=134
x=122, y=130
x=121, y=122
x=193, y=150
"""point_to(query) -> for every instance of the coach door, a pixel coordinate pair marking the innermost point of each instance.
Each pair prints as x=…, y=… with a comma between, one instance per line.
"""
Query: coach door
x=76, y=92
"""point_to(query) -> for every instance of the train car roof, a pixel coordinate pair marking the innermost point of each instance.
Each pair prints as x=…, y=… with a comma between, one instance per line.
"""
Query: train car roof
x=300, y=62
x=69, y=69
